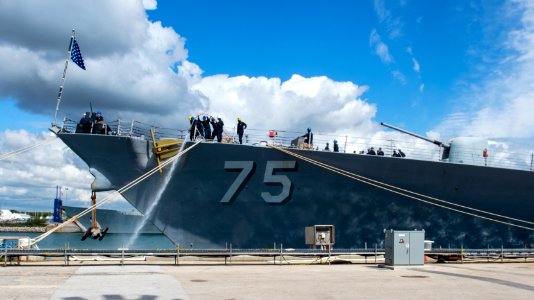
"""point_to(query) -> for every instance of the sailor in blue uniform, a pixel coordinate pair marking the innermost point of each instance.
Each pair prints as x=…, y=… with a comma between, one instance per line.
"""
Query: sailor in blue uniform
x=213, y=122
x=336, y=147
x=200, y=127
x=241, y=126
x=207, y=127
x=308, y=137
x=220, y=129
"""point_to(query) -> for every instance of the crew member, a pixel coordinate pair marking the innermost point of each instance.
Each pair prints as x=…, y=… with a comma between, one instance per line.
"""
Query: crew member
x=99, y=118
x=220, y=129
x=213, y=122
x=192, y=128
x=85, y=123
x=371, y=151
x=401, y=153
x=241, y=126
x=326, y=148
x=395, y=154
x=336, y=146
x=380, y=152
x=308, y=137
x=200, y=127
x=218, y=126
x=207, y=127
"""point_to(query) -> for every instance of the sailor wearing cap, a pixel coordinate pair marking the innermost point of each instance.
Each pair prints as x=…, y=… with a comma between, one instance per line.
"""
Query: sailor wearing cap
x=241, y=126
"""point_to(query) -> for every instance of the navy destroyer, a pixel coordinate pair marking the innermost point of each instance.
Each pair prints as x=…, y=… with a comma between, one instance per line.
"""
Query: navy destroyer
x=257, y=194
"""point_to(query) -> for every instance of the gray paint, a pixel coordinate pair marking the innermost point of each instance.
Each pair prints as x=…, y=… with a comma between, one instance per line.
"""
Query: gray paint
x=191, y=212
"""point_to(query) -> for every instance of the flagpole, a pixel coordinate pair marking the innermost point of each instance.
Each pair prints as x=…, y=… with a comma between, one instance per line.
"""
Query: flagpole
x=63, y=79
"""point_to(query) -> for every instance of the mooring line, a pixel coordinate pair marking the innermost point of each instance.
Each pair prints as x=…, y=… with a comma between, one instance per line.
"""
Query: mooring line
x=404, y=192
x=24, y=149
x=115, y=194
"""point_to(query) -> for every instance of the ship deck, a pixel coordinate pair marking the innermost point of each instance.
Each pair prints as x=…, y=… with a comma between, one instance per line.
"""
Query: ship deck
x=413, y=147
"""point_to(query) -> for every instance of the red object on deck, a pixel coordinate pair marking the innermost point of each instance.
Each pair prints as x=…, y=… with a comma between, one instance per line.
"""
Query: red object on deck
x=485, y=153
x=272, y=133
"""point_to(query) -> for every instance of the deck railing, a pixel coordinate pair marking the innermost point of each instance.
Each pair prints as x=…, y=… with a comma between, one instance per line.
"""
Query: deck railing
x=412, y=147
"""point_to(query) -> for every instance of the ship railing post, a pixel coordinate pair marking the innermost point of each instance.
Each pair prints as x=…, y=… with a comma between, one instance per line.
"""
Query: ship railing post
x=230, y=253
x=376, y=250
x=178, y=256
x=5, y=257
x=119, y=127
x=502, y=253
x=131, y=128
x=65, y=119
x=345, y=149
x=281, y=253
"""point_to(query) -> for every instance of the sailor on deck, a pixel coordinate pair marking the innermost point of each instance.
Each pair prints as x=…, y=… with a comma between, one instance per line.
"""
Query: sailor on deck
x=241, y=126
x=308, y=137
x=218, y=125
x=86, y=123
x=380, y=152
x=192, y=128
x=336, y=146
x=207, y=127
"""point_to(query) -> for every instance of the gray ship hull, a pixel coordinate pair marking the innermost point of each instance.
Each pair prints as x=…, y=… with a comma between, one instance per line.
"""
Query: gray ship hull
x=252, y=197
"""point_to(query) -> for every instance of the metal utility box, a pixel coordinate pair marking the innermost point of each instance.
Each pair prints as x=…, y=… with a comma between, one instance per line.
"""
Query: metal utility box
x=404, y=248
x=320, y=235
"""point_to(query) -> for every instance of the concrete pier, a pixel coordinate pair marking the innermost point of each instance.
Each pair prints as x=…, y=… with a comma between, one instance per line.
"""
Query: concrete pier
x=208, y=281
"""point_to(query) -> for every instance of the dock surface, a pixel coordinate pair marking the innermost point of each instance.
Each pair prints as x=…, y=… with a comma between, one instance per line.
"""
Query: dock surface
x=208, y=281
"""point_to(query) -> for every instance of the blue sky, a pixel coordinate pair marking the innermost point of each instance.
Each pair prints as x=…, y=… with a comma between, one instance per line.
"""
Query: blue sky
x=438, y=68
x=332, y=38
x=453, y=42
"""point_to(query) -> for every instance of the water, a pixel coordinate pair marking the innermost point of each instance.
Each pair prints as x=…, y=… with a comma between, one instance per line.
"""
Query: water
x=154, y=203
x=111, y=241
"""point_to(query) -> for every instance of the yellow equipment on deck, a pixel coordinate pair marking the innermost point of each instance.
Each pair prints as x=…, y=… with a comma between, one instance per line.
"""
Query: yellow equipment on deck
x=164, y=148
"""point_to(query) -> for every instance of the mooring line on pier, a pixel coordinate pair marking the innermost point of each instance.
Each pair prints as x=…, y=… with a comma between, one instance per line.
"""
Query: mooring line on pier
x=404, y=192
x=116, y=193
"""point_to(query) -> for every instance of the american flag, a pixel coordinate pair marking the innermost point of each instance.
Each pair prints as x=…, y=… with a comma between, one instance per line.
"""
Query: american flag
x=76, y=55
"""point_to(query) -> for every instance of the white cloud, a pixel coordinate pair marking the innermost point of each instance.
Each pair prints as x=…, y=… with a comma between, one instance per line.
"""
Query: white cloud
x=130, y=61
x=399, y=76
x=501, y=106
x=416, y=66
x=393, y=25
x=380, y=48
x=294, y=104
x=28, y=180
x=150, y=4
